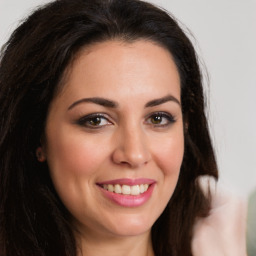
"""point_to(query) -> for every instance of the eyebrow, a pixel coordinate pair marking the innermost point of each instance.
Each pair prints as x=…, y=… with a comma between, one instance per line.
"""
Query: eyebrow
x=162, y=100
x=112, y=104
x=96, y=100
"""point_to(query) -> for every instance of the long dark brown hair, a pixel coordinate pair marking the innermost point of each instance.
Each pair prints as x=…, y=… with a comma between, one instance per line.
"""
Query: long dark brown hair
x=33, y=220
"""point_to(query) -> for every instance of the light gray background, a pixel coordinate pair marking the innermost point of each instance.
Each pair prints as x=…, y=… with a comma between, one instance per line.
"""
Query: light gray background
x=225, y=32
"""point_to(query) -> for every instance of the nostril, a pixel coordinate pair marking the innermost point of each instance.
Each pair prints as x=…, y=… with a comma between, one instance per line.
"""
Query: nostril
x=131, y=151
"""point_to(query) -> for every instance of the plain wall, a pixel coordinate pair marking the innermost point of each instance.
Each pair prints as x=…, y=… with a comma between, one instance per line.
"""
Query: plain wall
x=225, y=38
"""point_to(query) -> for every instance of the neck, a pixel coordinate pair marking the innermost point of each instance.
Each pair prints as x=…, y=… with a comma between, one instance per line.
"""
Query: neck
x=115, y=246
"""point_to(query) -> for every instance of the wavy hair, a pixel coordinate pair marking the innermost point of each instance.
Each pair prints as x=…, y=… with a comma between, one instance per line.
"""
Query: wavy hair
x=33, y=220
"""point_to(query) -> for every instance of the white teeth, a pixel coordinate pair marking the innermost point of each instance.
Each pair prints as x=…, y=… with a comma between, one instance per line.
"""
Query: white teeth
x=110, y=188
x=126, y=189
x=135, y=190
x=118, y=189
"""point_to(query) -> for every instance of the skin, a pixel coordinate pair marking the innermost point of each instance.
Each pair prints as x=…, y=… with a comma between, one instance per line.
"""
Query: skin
x=125, y=143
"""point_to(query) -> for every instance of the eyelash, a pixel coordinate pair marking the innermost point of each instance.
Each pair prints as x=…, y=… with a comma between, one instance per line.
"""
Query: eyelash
x=169, y=119
x=93, y=121
x=87, y=121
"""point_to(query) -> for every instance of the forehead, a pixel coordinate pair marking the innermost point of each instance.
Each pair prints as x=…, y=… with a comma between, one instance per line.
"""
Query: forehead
x=139, y=67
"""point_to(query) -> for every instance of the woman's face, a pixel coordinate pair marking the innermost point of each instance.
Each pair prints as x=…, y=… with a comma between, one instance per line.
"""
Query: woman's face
x=114, y=137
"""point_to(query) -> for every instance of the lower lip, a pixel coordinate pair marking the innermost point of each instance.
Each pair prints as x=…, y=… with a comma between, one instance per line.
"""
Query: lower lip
x=129, y=200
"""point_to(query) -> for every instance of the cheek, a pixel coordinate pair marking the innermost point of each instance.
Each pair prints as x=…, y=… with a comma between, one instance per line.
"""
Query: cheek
x=74, y=162
x=170, y=155
x=73, y=155
x=168, y=158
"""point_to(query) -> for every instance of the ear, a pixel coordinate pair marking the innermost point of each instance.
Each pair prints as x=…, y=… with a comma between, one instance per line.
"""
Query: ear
x=40, y=155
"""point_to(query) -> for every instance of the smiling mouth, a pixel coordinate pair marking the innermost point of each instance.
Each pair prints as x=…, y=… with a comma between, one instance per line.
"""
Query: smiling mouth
x=126, y=189
x=128, y=192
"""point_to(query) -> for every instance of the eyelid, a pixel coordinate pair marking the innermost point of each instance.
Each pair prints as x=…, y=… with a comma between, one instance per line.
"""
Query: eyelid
x=171, y=119
x=82, y=120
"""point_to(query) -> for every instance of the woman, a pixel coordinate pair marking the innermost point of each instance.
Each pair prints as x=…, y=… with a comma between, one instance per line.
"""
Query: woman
x=103, y=133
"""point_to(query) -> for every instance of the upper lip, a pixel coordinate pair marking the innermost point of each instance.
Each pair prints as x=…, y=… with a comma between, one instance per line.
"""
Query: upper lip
x=129, y=182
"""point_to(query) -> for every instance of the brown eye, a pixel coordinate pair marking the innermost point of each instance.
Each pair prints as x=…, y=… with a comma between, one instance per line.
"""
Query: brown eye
x=94, y=121
x=160, y=119
x=156, y=119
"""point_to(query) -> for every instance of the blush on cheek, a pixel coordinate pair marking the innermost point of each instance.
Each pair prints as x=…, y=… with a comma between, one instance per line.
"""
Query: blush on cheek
x=75, y=155
x=79, y=164
x=171, y=159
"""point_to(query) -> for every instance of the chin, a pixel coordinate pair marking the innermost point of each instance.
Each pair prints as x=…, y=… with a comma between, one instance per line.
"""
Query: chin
x=132, y=226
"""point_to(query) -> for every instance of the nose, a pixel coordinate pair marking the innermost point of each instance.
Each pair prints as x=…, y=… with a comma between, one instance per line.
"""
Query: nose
x=131, y=148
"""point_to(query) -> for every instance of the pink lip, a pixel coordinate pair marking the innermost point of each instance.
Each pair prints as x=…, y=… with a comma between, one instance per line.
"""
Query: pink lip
x=129, y=200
